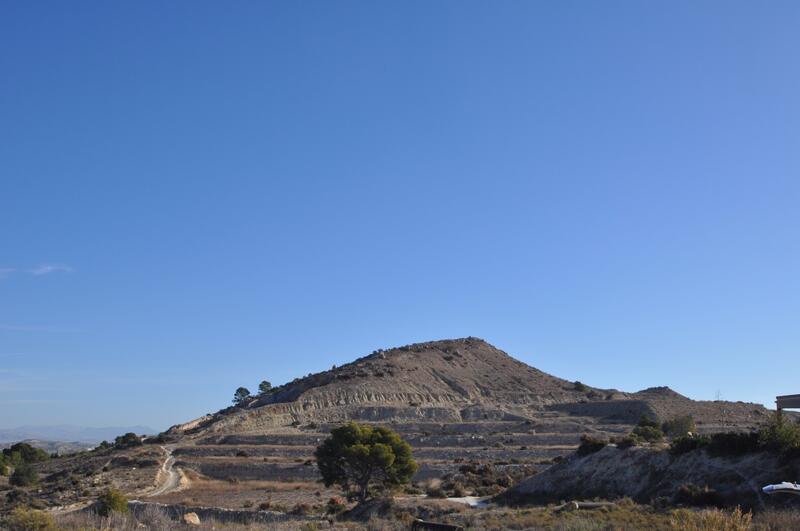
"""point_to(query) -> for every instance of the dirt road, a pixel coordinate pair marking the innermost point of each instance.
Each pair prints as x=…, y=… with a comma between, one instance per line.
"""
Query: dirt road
x=170, y=478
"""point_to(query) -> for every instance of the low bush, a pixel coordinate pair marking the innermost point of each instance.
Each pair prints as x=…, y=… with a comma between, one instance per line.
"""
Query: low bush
x=679, y=426
x=590, y=445
x=24, y=453
x=691, y=494
x=648, y=430
x=778, y=435
x=301, y=509
x=580, y=386
x=335, y=505
x=435, y=491
x=129, y=440
x=683, y=445
x=24, y=476
x=25, y=519
x=733, y=443
x=781, y=435
x=112, y=501
x=629, y=441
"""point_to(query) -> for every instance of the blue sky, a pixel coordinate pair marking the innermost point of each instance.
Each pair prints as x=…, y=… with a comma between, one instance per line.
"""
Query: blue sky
x=199, y=195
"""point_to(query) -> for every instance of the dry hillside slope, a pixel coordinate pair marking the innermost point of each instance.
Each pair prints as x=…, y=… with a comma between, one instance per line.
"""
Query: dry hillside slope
x=460, y=380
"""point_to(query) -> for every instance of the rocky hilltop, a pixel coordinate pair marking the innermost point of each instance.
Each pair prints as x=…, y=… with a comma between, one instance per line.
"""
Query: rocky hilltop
x=452, y=381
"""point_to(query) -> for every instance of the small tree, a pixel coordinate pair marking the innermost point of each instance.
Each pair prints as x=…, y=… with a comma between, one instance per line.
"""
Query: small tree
x=362, y=459
x=264, y=387
x=129, y=440
x=648, y=430
x=24, y=476
x=4, y=462
x=241, y=395
x=112, y=501
x=25, y=453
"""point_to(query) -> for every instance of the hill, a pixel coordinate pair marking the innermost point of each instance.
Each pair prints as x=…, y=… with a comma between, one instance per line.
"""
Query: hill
x=459, y=403
x=454, y=381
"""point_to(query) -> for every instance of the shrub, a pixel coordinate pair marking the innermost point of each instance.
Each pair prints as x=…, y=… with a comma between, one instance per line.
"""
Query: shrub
x=301, y=509
x=25, y=453
x=626, y=442
x=687, y=444
x=780, y=434
x=646, y=421
x=590, y=445
x=580, y=387
x=733, y=443
x=24, y=476
x=648, y=433
x=112, y=501
x=679, y=426
x=161, y=438
x=335, y=505
x=129, y=440
x=435, y=491
x=23, y=519
x=691, y=494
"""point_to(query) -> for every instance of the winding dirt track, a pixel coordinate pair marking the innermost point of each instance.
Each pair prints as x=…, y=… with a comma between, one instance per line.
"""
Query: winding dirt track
x=172, y=479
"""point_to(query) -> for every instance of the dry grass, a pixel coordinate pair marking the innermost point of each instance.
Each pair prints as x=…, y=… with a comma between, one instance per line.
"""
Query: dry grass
x=777, y=520
x=248, y=494
x=711, y=520
x=625, y=516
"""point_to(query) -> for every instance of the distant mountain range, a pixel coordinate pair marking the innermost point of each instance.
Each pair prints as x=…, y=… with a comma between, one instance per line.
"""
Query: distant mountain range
x=67, y=432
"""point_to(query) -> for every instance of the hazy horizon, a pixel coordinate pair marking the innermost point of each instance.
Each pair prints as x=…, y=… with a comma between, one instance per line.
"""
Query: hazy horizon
x=199, y=196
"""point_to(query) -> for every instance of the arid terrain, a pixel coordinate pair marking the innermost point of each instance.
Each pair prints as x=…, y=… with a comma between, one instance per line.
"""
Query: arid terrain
x=479, y=422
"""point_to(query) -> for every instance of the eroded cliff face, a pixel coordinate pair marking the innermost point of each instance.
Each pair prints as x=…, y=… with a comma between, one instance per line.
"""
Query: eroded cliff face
x=645, y=474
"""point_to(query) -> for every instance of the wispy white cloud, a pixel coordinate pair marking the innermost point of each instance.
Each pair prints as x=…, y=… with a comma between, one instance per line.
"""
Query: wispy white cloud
x=38, y=271
x=47, y=269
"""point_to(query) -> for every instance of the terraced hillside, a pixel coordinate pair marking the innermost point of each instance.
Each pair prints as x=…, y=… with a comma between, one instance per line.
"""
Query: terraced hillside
x=462, y=404
x=450, y=381
x=455, y=401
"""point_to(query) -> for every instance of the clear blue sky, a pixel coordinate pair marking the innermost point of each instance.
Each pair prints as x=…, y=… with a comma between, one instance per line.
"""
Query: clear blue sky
x=199, y=195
